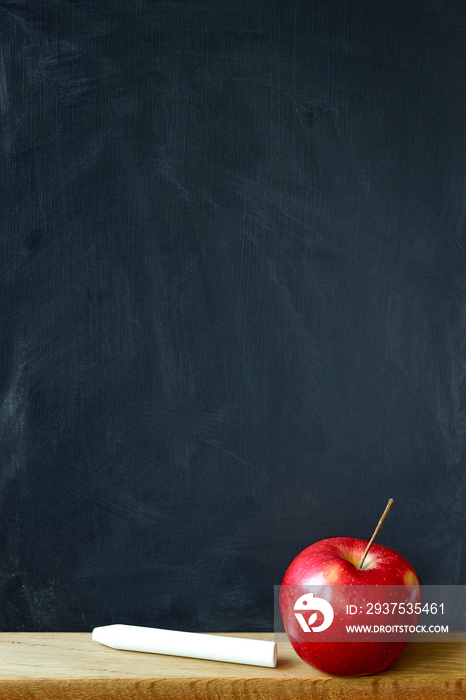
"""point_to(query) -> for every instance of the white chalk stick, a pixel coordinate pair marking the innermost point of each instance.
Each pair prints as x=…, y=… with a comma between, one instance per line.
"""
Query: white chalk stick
x=236, y=650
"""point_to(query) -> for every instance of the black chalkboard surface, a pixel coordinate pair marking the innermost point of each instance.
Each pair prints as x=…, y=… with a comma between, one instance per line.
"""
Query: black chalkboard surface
x=233, y=300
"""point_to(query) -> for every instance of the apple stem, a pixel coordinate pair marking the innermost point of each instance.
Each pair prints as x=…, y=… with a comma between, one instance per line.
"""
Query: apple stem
x=374, y=534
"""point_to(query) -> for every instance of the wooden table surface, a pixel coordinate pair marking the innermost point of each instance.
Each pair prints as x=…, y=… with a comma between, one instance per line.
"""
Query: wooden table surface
x=52, y=665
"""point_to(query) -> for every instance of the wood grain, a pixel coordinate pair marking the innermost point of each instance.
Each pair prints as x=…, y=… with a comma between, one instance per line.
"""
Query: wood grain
x=52, y=666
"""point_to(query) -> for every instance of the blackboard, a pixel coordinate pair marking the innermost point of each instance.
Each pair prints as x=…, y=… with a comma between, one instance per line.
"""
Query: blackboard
x=232, y=311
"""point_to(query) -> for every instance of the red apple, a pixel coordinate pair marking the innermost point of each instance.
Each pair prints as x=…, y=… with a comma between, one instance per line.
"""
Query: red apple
x=384, y=591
